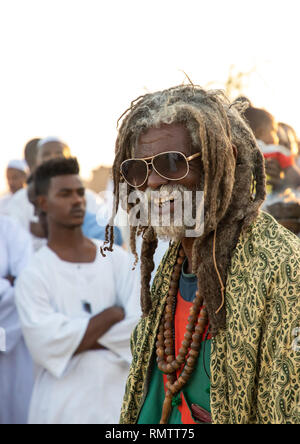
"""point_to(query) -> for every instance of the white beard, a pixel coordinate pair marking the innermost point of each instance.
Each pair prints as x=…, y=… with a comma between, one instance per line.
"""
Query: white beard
x=176, y=228
x=172, y=233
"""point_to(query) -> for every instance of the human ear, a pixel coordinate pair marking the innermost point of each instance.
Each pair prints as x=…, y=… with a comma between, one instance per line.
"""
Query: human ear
x=42, y=203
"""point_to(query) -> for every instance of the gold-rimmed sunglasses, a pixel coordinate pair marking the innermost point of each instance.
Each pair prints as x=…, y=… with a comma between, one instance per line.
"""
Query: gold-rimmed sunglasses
x=171, y=165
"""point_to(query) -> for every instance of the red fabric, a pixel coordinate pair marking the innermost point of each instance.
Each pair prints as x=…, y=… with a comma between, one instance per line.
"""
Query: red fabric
x=284, y=161
x=181, y=319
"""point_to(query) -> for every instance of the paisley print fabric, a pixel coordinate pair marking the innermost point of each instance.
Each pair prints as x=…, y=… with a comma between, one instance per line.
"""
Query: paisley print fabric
x=255, y=361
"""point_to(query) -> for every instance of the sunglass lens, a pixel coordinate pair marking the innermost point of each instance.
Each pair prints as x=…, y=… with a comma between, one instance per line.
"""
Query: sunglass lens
x=171, y=165
x=134, y=172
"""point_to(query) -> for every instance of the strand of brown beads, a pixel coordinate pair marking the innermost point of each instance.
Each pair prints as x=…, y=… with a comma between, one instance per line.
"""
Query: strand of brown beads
x=189, y=351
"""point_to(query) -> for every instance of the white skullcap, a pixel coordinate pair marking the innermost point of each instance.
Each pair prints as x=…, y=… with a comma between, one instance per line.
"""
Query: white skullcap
x=18, y=165
x=49, y=139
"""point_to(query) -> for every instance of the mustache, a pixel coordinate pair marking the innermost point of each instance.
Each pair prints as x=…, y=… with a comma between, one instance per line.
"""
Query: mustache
x=77, y=210
x=166, y=191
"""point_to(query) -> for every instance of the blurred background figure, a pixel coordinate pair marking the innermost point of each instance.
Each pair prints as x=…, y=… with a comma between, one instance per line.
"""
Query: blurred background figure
x=298, y=155
x=281, y=170
x=278, y=142
x=288, y=138
x=21, y=206
x=30, y=153
x=16, y=175
x=263, y=125
x=77, y=310
x=93, y=226
x=51, y=148
x=16, y=374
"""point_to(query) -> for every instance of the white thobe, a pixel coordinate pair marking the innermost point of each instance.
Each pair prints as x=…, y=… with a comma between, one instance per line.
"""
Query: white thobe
x=4, y=203
x=56, y=300
x=16, y=367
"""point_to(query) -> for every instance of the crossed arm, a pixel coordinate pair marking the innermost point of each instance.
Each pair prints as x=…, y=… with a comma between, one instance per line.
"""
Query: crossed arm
x=97, y=327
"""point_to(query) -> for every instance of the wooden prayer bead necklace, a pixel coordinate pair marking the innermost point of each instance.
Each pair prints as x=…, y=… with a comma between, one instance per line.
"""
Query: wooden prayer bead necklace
x=165, y=345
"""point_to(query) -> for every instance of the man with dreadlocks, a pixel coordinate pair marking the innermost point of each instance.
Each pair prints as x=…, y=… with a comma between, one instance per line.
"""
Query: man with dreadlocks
x=218, y=338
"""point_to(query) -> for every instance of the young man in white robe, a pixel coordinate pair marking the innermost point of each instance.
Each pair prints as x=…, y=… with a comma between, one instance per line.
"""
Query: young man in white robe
x=16, y=367
x=78, y=310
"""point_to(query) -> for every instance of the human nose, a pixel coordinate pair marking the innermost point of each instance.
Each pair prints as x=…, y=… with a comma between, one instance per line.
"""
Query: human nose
x=155, y=180
x=78, y=200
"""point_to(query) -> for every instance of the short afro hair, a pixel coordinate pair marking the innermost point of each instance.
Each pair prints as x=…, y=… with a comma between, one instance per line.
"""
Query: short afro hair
x=53, y=168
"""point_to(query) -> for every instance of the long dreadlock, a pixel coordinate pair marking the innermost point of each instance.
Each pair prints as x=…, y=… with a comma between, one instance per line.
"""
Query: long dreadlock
x=214, y=126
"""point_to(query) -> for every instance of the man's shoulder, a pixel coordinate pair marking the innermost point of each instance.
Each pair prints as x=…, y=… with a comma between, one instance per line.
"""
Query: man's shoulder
x=19, y=205
x=4, y=199
x=38, y=265
x=266, y=233
x=118, y=253
x=268, y=242
x=8, y=223
x=20, y=196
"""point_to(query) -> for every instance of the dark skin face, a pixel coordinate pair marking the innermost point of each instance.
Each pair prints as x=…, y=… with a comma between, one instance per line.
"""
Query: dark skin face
x=16, y=179
x=65, y=208
x=65, y=203
x=173, y=137
x=52, y=150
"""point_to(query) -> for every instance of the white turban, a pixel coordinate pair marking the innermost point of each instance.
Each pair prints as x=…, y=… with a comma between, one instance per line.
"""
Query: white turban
x=50, y=139
x=17, y=164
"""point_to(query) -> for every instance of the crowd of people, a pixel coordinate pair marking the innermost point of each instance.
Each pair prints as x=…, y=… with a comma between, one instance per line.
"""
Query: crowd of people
x=63, y=324
x=280, y=146
x=68, y=313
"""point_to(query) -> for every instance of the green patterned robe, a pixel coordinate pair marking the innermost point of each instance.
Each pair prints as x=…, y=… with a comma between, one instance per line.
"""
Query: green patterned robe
x=255, y=371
